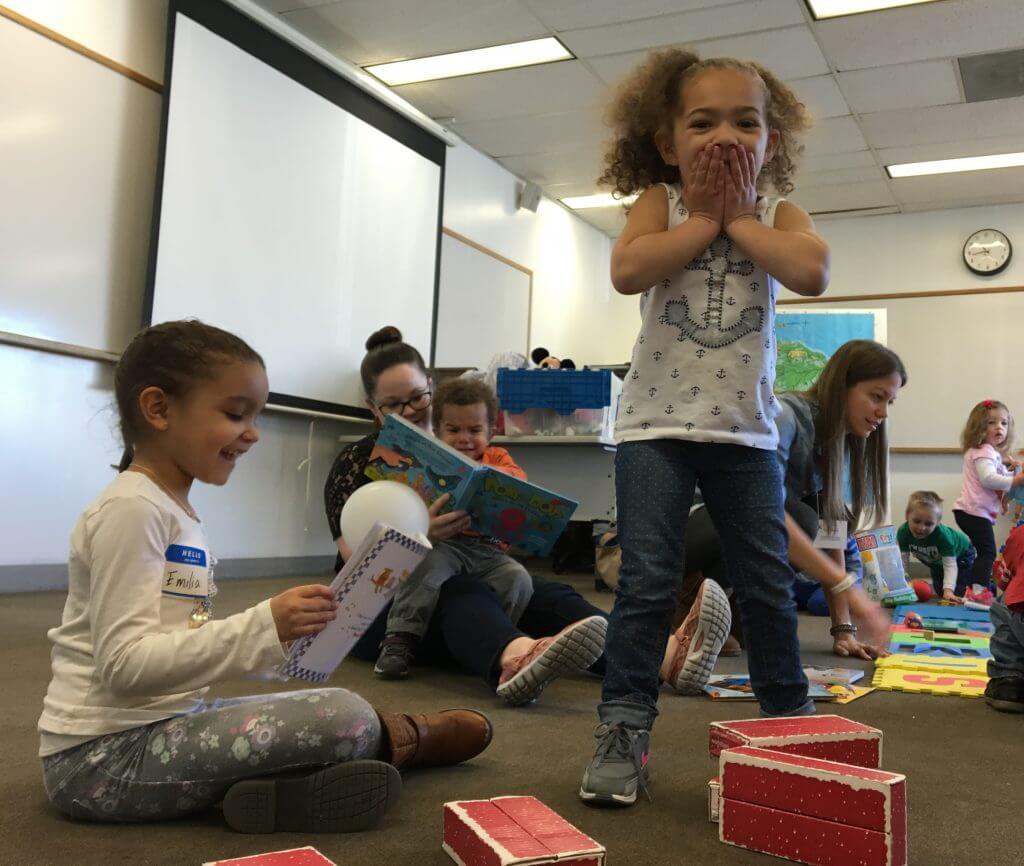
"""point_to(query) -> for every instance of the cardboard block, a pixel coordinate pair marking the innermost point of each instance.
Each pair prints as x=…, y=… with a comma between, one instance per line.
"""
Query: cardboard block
x=810, y=810
x=307, y=856
x=830, y=737
x=514, y=831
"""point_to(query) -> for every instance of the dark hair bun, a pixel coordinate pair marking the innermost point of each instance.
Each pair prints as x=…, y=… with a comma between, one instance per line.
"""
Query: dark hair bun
x=387, y=334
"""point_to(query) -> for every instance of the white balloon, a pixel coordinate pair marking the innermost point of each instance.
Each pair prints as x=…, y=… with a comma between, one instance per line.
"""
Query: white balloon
x=386, y=502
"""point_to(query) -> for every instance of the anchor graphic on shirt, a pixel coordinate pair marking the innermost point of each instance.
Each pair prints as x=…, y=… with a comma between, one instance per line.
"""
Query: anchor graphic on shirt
x=710, y=331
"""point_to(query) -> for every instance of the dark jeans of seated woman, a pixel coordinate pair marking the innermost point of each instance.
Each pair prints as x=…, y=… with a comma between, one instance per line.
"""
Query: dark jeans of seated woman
x=703, y=557
x=469, y=629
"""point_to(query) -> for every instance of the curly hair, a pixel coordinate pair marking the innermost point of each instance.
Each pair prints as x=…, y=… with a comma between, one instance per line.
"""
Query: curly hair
x=648, y=101
x=976, y=429
x=464, y=392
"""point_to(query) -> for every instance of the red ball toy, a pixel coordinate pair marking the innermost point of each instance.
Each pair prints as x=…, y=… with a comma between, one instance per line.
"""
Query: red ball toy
x=924, y=590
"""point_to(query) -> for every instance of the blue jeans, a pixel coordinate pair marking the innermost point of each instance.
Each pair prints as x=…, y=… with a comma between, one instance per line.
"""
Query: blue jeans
x=743, y=492
x=1007, y=642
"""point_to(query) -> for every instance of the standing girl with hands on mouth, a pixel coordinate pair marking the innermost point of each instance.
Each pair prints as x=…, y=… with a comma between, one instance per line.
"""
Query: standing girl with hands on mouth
x=698, y=140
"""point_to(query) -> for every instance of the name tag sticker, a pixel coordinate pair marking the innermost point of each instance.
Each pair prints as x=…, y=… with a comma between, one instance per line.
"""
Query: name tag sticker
x=835, y=540
x=186, y=573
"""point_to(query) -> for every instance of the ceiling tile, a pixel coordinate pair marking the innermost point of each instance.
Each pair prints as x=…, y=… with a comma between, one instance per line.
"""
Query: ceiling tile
x=833, y=161
x=840, y=175
x=821, y=95
x=790, y=53
x=610, y=220
x=702, y=24
x=818, y=199
x=998, y=117
x=534, y=133
x=834, y=135
x=563, y=190
x=906, y=85
x=963, y=202
x=373, y=31
x=547, y=89
x=579, y=165
x=576, y=14
x=288, y=5
x=1005, y=184
x=922, y=32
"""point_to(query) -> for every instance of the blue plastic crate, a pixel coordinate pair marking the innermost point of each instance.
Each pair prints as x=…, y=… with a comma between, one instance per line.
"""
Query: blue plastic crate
x=565, y=391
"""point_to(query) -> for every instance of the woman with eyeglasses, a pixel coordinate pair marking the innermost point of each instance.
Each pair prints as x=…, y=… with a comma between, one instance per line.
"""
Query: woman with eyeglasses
x=556, y=635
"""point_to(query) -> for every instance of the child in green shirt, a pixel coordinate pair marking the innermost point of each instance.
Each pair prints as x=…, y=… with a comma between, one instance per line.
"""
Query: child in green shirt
x=947, y=552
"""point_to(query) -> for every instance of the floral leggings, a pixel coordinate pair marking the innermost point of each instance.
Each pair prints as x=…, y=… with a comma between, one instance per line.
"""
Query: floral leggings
x=187, y=763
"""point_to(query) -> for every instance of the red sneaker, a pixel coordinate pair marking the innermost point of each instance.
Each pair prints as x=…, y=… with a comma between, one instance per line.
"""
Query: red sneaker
x=981, y=596
x=575, y=648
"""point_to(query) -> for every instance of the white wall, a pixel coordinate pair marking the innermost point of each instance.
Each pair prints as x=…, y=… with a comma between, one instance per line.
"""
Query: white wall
x=57, y=432
x=923, y=252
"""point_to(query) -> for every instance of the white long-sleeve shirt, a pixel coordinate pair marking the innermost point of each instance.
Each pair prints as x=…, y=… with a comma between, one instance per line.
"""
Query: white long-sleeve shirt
x=126, y=653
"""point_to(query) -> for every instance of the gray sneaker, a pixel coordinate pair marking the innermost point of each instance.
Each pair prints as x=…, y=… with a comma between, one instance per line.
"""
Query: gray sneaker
x=395, y=657
x=619, y=767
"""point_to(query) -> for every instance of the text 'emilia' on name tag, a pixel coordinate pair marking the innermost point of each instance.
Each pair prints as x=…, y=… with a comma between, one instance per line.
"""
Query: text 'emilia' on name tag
x=186, y=573
x=834, y=540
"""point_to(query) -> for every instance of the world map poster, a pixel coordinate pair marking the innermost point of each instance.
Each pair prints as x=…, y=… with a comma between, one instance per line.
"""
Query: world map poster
x=807, y=339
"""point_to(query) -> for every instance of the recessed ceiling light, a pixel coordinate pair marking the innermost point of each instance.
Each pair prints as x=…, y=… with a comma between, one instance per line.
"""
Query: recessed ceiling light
x=510, y=56
x=834, y=8
x=604, y=199
x=948, y=166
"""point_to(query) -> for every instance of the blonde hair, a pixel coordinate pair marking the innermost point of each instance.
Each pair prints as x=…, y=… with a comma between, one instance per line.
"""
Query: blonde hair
x=853, y=362
x=924, y=499
x=976, y=427
x=648, y=100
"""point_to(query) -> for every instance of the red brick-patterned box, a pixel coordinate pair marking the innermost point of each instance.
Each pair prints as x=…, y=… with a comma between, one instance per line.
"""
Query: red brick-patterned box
x=830, y=737
x=514, y=830
x=813, y=811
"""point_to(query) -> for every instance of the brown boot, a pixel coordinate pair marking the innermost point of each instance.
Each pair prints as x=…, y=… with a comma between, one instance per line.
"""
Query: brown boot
x=731, y=647
x=433, y=739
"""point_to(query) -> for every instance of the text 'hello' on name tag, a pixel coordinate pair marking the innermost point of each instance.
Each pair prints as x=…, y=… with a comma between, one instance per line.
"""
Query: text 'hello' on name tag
x=186, y=572
x=834, y=540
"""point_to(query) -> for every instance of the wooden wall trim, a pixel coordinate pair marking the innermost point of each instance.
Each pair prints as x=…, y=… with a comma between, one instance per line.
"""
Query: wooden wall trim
x=78, y=48
x=900, y=296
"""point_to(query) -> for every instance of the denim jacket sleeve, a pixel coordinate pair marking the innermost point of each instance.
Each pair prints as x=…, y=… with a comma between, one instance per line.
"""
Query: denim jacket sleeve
x=796, y=447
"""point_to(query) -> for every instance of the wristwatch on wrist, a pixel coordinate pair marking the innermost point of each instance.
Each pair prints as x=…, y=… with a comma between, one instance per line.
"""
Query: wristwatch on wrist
x=843, y=628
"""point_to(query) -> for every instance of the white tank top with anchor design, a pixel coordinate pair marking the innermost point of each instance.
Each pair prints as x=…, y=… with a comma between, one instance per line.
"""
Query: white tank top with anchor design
x=704, y=362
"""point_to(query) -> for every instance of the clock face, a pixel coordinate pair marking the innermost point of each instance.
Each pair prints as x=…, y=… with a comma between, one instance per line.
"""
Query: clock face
x=987, y=252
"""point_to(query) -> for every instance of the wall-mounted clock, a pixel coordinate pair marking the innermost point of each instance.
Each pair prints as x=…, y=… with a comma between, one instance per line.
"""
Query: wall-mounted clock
x=987, y=252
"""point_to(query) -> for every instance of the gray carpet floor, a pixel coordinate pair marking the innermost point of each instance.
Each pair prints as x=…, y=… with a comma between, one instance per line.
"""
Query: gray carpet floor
x=964, y=765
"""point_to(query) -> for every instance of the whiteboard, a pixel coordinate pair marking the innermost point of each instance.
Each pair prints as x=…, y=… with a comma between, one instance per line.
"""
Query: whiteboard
x=958, y=350
x=289, y=220
x=483, y=305
x=78, y=148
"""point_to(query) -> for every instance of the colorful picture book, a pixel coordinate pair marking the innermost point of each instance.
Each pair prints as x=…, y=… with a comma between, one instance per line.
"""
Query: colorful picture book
x=362, y=588
x=524, y=515
x=833, y=676
x=736, y=687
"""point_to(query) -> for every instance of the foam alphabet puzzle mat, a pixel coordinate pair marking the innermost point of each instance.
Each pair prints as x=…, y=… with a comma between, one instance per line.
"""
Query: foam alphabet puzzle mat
x=923, y=682
x=940, y=611
x=934, y=664
x=900, y=644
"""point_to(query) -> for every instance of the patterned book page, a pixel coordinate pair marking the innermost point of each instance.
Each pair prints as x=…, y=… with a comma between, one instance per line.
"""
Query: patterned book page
x=362, y=588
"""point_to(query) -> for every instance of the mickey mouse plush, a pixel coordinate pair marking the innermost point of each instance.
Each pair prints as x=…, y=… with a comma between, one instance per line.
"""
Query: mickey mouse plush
x=546, y=361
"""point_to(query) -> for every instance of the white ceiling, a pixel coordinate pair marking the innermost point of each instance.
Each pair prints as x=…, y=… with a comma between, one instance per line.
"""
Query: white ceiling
x=884, y=87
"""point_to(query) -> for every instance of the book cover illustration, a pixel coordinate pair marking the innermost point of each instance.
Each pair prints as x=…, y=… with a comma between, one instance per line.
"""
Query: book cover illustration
x=517, y=512
x=362, y=588
x=736, y=687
